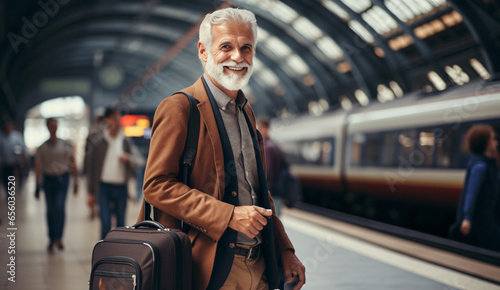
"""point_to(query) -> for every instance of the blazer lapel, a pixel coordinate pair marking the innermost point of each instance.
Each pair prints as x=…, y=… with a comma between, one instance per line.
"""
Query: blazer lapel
x=207, y=115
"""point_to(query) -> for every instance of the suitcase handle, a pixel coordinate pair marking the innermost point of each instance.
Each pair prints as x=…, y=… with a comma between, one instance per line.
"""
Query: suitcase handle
x=149, y=224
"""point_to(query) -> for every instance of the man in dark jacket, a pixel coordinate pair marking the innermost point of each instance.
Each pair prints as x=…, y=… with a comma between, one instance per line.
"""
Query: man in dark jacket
x=476, y=212
x=275, y=162
x=108, y=163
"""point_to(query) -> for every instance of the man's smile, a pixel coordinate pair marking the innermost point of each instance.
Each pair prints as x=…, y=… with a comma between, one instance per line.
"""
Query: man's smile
x=235, y=68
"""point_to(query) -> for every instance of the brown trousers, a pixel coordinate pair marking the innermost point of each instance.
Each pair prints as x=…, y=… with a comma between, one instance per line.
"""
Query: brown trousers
x=247, y=274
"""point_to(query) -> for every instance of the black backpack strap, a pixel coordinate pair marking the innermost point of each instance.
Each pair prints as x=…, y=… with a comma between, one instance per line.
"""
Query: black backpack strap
x=188, y=154
x=192, y=138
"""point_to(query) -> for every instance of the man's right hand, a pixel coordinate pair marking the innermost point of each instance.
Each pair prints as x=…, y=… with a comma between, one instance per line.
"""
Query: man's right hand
x=465, y=227
x=249, y=220
x=90, y=200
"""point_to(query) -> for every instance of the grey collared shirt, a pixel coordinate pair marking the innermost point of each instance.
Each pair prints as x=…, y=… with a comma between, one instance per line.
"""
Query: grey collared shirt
x=243, y=150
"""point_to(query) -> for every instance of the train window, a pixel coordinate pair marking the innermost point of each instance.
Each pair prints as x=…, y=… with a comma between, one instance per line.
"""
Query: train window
x=310, y=152
x=356, y=148
x=424, y=154
x=372, y=149
x=406, y=141
x=446, y=138
x=388, y=148
x=328, y=150
x=292, y=151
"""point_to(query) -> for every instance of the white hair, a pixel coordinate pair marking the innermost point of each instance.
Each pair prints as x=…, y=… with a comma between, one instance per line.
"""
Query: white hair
x=234, y=15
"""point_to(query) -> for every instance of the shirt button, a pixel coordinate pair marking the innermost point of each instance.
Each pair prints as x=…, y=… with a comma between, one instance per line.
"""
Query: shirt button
x=231, y=245
x=234, y=193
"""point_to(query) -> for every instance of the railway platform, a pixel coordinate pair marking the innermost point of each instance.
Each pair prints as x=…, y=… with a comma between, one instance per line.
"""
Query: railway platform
x=333, y=259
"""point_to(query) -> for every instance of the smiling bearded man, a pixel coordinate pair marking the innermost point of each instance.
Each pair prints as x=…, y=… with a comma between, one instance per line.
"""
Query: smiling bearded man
x=236, y=237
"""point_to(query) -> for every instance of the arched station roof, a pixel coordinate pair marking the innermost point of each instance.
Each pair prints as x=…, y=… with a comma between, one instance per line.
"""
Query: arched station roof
x=312, y=55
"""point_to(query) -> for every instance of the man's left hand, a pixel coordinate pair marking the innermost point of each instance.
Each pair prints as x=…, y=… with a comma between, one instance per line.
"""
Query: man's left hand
x=293, y=267
x=125, y=158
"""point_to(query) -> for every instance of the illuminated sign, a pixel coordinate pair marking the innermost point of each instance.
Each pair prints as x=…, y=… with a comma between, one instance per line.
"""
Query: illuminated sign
x=136, y=126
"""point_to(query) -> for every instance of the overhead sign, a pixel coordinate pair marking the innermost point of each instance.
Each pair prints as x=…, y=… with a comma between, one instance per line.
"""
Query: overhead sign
x=136, y=126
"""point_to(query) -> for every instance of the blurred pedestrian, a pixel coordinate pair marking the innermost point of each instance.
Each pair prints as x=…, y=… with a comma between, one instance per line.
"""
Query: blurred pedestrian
x=284, y=187
x=109, y=162
x=274, y=162
x=94, y=130
x=54, y=161
x=476, y=213
x=13, y=155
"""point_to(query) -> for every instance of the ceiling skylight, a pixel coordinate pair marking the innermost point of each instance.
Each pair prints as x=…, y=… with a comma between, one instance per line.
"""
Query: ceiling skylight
x=298, y=64
x=379, y=20
x=330, y=48
x=264, y=76
x=396, y=89
x=278, y=47
x=307, y=28
x=436, y=80
x=361, y=97
x=336, y=9
x=358, y=5
x=361, y=31
x=262, y=34
x=409, y=10
x=457, y=75
x=345, y=103
x=283, y=11
x=479, y=68
x=384, y=93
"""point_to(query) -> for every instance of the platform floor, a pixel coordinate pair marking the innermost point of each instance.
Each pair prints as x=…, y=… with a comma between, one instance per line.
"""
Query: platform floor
x=333, y=260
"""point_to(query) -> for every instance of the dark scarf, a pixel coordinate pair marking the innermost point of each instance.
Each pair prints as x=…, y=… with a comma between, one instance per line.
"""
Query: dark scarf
x=225, y=255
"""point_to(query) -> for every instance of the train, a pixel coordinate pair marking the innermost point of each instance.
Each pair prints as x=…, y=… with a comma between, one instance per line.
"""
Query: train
x=403, y=161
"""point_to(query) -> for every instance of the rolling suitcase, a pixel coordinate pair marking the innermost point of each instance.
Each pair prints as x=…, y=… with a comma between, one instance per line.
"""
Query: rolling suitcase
x=145, y=256
x=148, y=256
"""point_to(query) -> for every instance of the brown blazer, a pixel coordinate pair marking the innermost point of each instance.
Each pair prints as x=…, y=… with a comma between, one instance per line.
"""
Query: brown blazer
x=200, y=206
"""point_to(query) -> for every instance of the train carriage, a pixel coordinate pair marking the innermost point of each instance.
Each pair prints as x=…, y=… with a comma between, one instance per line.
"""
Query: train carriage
x=391, y=159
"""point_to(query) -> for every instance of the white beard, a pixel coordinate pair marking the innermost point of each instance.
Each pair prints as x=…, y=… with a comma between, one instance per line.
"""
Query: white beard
x=231, y=81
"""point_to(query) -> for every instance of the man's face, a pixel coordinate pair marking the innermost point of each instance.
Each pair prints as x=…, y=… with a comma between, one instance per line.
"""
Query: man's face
x=113, y=121
x=230, y=60
x=491, y=149
x=52, y=127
